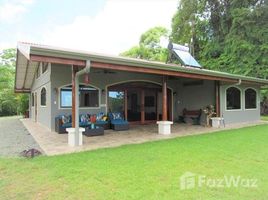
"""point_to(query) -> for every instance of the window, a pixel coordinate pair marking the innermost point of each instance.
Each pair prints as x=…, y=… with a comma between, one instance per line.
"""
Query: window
x=43, y=97
x=38, y=71
x=44, y=67
x=32, y=99
x=250, y=99
x=233, y=98
x=88, y=96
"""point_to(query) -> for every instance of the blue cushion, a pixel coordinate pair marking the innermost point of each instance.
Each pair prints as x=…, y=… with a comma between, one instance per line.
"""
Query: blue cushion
x=110, y=116
x=99, y=116
x=119, y=121
x=67, y=125
x=83, y=118
x=83, y=124
x=101, y=122
x=115, y=115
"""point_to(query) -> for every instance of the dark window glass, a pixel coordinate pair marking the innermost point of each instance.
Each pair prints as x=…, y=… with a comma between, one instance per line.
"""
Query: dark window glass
x=250, y=99
x=43, y=97
x=32, y=99
x=88, y=96
x=44, y=67
x=233, y=98
x=38, y=71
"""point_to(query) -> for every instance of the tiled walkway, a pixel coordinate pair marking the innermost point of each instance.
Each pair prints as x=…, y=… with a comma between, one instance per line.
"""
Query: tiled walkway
x=53, y=143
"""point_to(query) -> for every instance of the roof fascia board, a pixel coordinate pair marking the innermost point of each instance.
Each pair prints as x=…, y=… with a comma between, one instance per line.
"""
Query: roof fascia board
x=137, y=63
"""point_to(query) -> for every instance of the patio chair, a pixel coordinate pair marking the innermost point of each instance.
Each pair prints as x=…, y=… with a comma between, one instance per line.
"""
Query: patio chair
x=191, y=116
x=118, y=123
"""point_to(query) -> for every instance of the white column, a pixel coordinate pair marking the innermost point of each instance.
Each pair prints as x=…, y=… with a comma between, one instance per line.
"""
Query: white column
x=164, y=127
x=73, y=140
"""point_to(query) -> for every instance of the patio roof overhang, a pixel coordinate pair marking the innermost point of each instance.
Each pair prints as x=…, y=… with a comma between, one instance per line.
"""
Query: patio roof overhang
x=30, y=55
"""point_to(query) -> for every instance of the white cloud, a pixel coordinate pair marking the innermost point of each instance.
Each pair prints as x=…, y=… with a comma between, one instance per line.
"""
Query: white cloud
x=11, y=10
x=115, y=29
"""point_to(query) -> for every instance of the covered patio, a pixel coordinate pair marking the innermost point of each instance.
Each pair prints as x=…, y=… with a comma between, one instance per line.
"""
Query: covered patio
x=55, y=144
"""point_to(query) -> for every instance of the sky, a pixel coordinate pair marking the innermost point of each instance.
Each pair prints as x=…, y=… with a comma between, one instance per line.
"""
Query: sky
x=104, y=26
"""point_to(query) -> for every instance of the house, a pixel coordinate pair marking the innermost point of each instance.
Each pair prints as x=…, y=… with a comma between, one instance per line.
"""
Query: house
x=144, y=91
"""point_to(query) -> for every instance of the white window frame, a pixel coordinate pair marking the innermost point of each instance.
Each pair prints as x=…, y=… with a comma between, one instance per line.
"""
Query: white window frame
x=256, y=98
x=69, y=108
x=241, y=102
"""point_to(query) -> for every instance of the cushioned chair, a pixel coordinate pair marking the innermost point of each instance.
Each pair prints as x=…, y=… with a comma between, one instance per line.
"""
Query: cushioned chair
x=65, y=121
x=101, y=120
x=117, y=121
x=62, y=122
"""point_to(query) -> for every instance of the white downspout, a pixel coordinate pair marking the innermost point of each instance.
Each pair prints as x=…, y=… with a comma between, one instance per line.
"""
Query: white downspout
x=239, y=82
x=86, y=70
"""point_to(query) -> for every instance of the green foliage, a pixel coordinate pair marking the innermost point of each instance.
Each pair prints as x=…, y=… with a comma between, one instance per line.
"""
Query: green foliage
x=116, y=102
x=10, y=103
x=230, y=36
x=149, y=46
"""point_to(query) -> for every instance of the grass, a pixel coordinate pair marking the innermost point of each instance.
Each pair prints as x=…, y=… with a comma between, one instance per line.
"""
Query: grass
x=264, y=117
x=144, y=171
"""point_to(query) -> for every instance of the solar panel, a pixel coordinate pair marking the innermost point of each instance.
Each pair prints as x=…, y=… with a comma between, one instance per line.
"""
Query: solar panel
x=182, y=54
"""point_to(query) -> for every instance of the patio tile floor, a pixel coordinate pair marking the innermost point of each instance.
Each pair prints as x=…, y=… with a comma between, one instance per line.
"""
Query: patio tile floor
x=53, y=143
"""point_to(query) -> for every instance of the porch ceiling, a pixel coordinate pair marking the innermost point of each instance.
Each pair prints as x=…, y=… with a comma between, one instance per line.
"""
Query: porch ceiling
x=25, y=72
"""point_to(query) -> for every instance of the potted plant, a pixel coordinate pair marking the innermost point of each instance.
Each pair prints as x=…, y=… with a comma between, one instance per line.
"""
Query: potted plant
x=210, y=112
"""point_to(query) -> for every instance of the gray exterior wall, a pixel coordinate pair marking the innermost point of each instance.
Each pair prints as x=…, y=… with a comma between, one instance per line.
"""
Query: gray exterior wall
x=61, y=76
x=194, y=97
x=191, y=97
x=43, y=112
x=242, y=115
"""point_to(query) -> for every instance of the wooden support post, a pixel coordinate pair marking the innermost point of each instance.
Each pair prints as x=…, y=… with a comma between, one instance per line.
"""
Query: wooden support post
x=142, y=107
x=74, y=70
x=125, y=104
x=217, y=94
x=164, y=99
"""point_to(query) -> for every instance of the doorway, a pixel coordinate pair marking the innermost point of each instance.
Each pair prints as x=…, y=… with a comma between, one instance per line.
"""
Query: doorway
x=140, y=102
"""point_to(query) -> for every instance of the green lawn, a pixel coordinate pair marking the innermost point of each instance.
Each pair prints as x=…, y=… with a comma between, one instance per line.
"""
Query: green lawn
x=145, y=171
x=264, y=117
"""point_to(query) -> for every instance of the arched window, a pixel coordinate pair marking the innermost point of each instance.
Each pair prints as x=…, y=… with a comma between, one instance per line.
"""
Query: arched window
x=88, y=96
x=250, y=98
x=43, y=97
x=233, y=98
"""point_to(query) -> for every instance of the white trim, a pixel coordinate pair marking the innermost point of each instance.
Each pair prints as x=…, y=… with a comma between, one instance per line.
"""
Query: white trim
x=241, y=102
x=43, y=106
x=138, y=80
x=69, y=108
x=257, y=107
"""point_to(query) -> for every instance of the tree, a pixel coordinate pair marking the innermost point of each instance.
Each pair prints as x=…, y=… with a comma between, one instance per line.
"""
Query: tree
x=149, y=46
x=10, y=103
x=230, y=36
